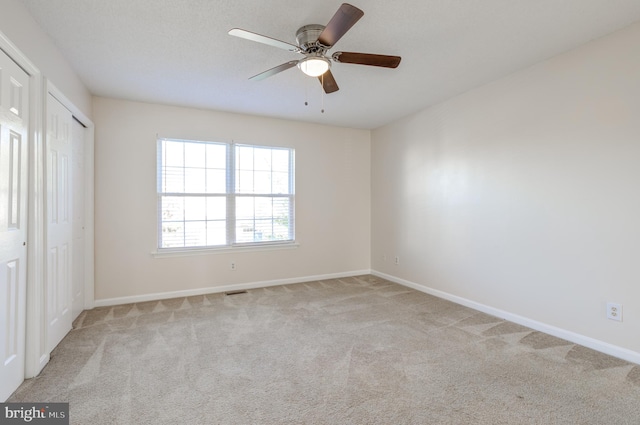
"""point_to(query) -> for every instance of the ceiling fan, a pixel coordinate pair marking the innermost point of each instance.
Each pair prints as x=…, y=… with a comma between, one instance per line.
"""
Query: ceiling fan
x=314, y=41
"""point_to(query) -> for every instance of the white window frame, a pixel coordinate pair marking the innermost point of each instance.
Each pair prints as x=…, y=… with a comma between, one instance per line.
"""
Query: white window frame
x=231, y=195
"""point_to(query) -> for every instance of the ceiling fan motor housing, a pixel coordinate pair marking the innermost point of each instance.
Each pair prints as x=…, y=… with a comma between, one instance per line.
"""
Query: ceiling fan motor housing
x=307, y=38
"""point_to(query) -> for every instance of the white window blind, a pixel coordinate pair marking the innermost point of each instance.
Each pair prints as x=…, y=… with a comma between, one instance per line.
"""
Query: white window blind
x=213, y=194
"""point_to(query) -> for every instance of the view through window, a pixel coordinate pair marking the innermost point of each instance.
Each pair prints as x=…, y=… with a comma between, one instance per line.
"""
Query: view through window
x=213, y=194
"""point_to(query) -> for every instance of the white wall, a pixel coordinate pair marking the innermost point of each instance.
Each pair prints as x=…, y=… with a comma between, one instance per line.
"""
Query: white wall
x=19, y=26
x=523, y=195
x=332, y=200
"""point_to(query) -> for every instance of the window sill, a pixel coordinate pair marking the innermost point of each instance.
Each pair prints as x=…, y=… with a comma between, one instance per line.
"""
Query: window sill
x=188, y=252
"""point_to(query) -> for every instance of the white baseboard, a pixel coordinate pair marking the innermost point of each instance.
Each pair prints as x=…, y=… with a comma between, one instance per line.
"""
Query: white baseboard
x=595, y=344
x=224, y=288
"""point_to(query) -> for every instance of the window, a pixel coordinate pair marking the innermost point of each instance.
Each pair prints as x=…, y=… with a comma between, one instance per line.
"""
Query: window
x=213, y=194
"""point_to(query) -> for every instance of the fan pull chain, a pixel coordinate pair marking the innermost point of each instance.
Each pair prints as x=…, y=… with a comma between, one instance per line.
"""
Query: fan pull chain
x=322, y=90
x=306, y=94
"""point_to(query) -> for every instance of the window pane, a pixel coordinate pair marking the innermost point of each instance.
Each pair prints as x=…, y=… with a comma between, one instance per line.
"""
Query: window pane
x=280, y=182
x=172, y=208
x=263, y=208
x=195, y=233
x=280, y=160
x=244, y=158
x=217, y=208
x=263, y=219
x=245, y=232
x=244, y=207
x=216, y=156
x=281, y=206
x=262, y=182
x=216, y=181
x=194, y=155
x=262, y=159
x=195, y=180
x=172, y=180
x=265, y=229
x=172, y=153
x=244, y=182
x=172, y=235
x=195, y=208
x=282, y=223
x=216, y=233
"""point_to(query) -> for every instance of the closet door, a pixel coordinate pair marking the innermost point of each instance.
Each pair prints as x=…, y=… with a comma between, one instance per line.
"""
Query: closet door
x=59, y=219
x=14, y=127
x=78, y=221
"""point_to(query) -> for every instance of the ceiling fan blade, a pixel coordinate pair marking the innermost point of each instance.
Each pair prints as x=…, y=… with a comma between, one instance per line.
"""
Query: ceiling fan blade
x=328, y=82
x=248, y=35
x=346, y=16
x=274, y=71
x=367, y=59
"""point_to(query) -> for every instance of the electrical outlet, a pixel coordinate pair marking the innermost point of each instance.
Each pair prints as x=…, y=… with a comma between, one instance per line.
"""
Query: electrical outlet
x=614, y=311
x=384, y=257
x=233, y=266
x=397, y=260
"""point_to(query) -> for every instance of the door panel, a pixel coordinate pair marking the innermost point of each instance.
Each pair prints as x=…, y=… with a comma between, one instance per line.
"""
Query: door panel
x=14, y=124
x=59, y=229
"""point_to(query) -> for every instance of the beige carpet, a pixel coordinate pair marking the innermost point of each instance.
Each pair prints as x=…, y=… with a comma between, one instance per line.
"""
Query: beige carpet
x=358, y=350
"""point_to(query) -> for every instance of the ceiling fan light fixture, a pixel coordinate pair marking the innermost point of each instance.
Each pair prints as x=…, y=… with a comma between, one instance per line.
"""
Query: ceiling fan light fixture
x=314, y=66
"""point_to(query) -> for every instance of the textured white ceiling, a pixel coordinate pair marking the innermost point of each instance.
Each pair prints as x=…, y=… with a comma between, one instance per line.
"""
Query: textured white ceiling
x=178, y=51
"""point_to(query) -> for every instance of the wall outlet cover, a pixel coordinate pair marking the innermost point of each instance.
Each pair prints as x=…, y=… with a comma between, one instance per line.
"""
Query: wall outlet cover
x=614, y=311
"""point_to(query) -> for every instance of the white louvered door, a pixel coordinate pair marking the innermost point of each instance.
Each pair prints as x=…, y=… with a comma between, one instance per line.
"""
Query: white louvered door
x=14, y=128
